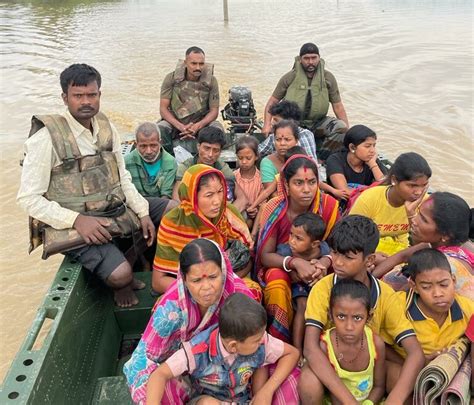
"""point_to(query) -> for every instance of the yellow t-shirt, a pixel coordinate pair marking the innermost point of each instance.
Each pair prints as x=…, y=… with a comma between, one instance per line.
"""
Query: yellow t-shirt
x=359, y=383
x=388, y=309
x=431, y=336
x=392, y=221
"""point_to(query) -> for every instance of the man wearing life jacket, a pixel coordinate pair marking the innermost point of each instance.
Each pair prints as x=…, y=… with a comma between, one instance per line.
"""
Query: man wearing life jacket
x=313, y=88
x=76, y=189
x=189, y=101
x=153, y=169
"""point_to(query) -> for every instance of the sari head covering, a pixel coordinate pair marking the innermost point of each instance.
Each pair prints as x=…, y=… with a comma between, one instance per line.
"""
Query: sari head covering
x=176, y=319
x=453, y=217
x=461, y=260
x=186, y=222
x=323, y=204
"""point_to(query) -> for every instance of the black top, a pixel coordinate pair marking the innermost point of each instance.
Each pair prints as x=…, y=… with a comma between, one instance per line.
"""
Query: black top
x=337, y=163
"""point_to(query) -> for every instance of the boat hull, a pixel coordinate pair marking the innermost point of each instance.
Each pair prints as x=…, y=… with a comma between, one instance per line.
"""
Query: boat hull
x=76, y=347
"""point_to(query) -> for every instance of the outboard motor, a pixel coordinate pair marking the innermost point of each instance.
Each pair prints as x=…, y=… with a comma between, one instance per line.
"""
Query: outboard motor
x=240, y=99
x=240, y=111
x=241, y=115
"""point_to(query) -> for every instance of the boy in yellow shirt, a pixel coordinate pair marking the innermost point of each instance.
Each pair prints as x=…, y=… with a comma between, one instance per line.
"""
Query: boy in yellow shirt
x=438, y=315
x=353, y=241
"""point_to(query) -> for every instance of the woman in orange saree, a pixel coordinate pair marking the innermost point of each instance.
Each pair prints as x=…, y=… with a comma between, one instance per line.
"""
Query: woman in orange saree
x=203, y=212
x=300, y=193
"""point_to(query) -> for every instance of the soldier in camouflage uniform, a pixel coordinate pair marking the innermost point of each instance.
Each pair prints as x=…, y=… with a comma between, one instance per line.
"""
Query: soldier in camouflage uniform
x=189, y=102
x=76, y=189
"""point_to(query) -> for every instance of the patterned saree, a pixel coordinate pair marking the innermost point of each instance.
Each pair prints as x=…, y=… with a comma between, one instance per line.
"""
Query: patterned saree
x=276, y=282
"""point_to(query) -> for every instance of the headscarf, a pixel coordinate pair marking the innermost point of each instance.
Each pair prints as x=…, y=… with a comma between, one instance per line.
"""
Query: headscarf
x=176, y=319
x=323, y=204
x=186, y=222
x=459, y=253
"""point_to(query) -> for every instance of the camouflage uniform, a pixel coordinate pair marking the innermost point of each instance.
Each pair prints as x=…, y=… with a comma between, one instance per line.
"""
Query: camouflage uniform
x=190, y=102
x=86, y=184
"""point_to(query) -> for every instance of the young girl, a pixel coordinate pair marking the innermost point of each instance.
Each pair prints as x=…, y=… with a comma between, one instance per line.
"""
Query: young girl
x=356, y=164
x=393, y=204
x=247, y=175
x=356, y=353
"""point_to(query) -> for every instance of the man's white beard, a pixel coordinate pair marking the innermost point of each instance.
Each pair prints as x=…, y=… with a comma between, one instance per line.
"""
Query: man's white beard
x=147, y=160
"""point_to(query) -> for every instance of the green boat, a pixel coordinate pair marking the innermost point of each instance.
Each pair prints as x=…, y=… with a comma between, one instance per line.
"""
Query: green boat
x=79, y=341
x=75, y=350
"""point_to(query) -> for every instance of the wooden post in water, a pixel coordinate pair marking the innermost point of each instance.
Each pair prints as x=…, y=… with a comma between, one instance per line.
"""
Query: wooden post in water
x=226, y=11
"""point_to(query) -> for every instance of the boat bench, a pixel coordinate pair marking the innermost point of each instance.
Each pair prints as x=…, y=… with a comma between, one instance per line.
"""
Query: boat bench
x=132, y=321
x=75, y=350
x=111, y=390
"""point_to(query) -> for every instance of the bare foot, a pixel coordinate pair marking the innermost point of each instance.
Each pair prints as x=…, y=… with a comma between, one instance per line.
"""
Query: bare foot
x=138, y=284
x=125, y=297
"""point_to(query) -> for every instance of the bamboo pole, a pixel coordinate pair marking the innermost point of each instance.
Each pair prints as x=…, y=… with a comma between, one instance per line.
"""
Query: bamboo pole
x=226, y=11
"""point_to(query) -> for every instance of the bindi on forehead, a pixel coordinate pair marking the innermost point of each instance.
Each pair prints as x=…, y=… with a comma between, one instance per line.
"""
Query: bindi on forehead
x=305, y=170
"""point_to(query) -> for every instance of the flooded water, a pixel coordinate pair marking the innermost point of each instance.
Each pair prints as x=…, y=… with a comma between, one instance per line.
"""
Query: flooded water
x=404, y=68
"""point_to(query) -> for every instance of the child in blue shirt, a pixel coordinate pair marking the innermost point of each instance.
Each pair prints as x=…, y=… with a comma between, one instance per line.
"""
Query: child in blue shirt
x=305, y=242
x=221, y=360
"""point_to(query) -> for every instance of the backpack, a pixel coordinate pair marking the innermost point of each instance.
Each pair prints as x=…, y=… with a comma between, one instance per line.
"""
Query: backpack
x=356, y=193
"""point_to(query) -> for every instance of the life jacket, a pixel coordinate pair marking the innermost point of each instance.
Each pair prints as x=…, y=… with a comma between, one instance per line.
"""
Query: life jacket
x=298, y=90
x=88, y=184
x=190, y=100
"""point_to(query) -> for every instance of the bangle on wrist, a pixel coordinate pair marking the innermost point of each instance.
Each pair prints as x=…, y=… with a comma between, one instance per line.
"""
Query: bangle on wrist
x=412, y=216
x=371, y=167
x=289, y=263
x=330, y=259
x=287, y=269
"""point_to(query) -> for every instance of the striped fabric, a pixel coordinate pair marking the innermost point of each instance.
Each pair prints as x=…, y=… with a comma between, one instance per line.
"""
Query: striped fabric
x=323, y=204
x=287, y=392
x=276, y=284
x=186, y=222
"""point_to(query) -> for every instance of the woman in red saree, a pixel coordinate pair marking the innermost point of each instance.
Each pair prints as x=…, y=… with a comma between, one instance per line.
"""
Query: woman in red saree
x=300, y=185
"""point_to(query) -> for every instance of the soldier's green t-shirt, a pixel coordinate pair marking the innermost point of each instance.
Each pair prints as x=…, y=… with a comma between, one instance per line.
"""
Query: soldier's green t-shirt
x=287, y=79
x=167, y=90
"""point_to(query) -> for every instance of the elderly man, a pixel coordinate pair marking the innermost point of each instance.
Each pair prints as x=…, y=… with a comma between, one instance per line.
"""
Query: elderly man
x=313, y=88
x=153, y=169
x=210, y=143
x=76, y=189
x=189, y=101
